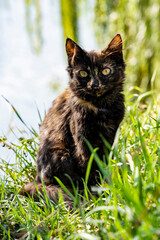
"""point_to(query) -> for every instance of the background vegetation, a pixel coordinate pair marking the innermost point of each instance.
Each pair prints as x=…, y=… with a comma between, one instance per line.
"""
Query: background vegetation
x=128, y=206
x=138, y=21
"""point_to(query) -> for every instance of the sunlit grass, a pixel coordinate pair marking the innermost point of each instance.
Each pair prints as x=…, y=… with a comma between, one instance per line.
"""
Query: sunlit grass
x=127, y=205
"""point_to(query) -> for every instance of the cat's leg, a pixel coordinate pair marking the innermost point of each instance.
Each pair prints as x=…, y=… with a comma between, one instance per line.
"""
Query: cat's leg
x=50, y=164
x=57, y=166
x=55, y=163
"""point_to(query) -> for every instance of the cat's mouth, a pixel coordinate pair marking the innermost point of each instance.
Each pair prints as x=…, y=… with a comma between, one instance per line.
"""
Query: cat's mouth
x=97, y=92
x=100, y=93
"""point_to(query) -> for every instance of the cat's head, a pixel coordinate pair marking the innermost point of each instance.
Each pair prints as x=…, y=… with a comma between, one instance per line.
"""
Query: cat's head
x=95, y=73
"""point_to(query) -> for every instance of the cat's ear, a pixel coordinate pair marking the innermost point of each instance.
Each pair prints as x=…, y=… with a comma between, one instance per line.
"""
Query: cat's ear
x=115, y=46
x=74, y=52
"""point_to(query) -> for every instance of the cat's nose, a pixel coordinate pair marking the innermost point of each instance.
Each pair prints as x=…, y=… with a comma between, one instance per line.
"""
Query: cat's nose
x=94, y=83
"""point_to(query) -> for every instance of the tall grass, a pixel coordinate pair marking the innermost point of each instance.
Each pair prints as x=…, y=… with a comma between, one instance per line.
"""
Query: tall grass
x=128, y=201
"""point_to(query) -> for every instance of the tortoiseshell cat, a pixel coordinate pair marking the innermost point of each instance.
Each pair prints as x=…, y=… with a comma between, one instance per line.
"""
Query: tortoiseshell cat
x=92, y=104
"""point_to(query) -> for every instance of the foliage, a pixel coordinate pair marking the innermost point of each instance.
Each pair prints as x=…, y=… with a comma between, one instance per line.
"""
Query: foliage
x=127, y=205
x=139, y=22
x=69, y=19
x=33, y=24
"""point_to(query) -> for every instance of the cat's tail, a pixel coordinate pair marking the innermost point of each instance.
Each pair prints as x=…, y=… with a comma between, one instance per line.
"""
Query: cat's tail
x=34, y=190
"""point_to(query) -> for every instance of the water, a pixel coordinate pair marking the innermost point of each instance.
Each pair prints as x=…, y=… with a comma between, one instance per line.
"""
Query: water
x=25, y=78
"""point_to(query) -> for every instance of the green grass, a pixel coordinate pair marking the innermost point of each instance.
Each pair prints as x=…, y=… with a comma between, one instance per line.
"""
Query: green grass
x=128, y=206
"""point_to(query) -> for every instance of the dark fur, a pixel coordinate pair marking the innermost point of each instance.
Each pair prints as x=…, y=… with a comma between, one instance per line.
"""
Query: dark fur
x=90, y=106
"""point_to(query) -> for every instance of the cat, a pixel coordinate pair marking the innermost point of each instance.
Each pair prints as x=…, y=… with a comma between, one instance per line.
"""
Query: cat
x=93, y=104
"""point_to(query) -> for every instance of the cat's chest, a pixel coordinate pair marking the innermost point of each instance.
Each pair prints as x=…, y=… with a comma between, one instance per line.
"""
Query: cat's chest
x=90, y=120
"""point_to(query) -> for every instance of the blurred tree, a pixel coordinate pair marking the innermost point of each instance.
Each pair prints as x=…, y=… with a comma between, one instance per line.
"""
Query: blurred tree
x=33, y=24
x=69, y=18
x=139, y=23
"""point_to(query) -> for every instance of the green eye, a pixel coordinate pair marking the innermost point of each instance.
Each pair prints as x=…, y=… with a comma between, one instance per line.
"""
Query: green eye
x=106, y=71
x=83, y=73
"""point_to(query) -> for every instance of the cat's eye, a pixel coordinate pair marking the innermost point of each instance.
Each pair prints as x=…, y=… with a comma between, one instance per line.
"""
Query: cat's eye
x=83, y=73
x=106, y=71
